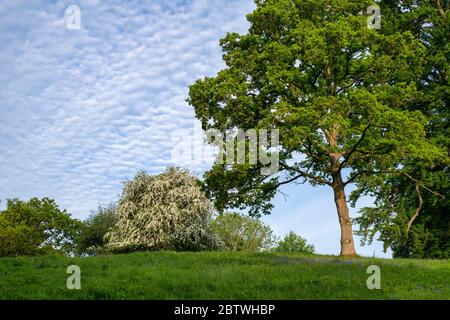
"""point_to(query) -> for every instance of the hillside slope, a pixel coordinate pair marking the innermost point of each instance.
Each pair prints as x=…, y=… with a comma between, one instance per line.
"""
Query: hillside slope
x=221, y=275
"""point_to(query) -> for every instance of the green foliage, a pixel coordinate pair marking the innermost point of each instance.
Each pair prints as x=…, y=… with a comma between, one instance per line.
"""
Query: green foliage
x=293, y=243
x=97, y=225
x=397, y=205
x=168, y=211
x=238, y=232
x=398, y=201
x=36, y=227
x=17, y=240
x=335, y=89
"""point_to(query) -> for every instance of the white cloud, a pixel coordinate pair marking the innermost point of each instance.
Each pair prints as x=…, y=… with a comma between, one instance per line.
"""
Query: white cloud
x=83, y=110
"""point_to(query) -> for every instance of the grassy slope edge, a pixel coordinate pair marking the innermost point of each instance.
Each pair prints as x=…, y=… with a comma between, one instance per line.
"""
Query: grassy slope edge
x=221, y=275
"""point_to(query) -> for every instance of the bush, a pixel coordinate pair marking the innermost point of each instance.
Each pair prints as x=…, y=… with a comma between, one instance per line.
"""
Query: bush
x=95, y=227
x=293, y=243
x=163, y=212
x=36, y=227
x=17, y=240
x=242, y=233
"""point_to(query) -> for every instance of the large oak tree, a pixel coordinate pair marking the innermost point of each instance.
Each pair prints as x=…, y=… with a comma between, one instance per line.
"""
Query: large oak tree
x=335, y=89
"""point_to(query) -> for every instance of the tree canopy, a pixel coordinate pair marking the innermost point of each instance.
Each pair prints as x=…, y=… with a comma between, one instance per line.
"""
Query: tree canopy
x=336, y=90
x=168, y=211
x=293, y=243
x=411, y=215
x=36, y=227
x=238, y=232
x=95, y=227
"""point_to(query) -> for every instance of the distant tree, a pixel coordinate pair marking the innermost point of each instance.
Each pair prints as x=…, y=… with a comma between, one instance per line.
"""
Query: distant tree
x=18, y=240
x=91, y=240
x=335, y=89
x=293, y=243
x=238, y=232
x=168, y=211
x=36, y=227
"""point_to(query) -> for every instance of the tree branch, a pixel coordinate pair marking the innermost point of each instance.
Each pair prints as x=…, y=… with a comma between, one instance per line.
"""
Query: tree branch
x=416, y=214
x=306, y=174
x=353, y=149
x=310, y=152
x=421, y=185
x=358, y=175
x=280, y=184
x=440, y=8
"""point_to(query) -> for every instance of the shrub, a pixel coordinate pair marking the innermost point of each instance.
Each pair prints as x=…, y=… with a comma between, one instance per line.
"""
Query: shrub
x=36, y=227
x=95, y=227
x=238, y=232
x=293, y=243
x=17, y=240
x=163, y=212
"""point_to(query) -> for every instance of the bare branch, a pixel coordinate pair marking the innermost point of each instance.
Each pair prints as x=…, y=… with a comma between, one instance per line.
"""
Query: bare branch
x=421, y=185
x=416, y=214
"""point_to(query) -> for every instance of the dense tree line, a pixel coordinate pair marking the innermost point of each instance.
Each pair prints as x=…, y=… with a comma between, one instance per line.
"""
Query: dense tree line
x=168, y=211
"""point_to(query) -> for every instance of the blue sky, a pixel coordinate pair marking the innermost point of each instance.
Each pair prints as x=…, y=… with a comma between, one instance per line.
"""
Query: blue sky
x=83, y=110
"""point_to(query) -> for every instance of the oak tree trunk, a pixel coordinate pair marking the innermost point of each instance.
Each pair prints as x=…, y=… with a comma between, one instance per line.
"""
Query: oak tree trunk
x=347, y=243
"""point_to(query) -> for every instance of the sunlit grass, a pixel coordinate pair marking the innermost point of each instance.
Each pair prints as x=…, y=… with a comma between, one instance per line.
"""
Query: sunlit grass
x=221, y=275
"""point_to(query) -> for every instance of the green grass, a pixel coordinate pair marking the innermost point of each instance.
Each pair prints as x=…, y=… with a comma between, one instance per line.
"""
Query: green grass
x=221, y=275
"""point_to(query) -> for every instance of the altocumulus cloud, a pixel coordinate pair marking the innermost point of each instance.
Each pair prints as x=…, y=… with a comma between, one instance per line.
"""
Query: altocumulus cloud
x=83, y=110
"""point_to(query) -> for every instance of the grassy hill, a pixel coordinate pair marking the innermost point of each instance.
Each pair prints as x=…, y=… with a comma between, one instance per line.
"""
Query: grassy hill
x=221, y=275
